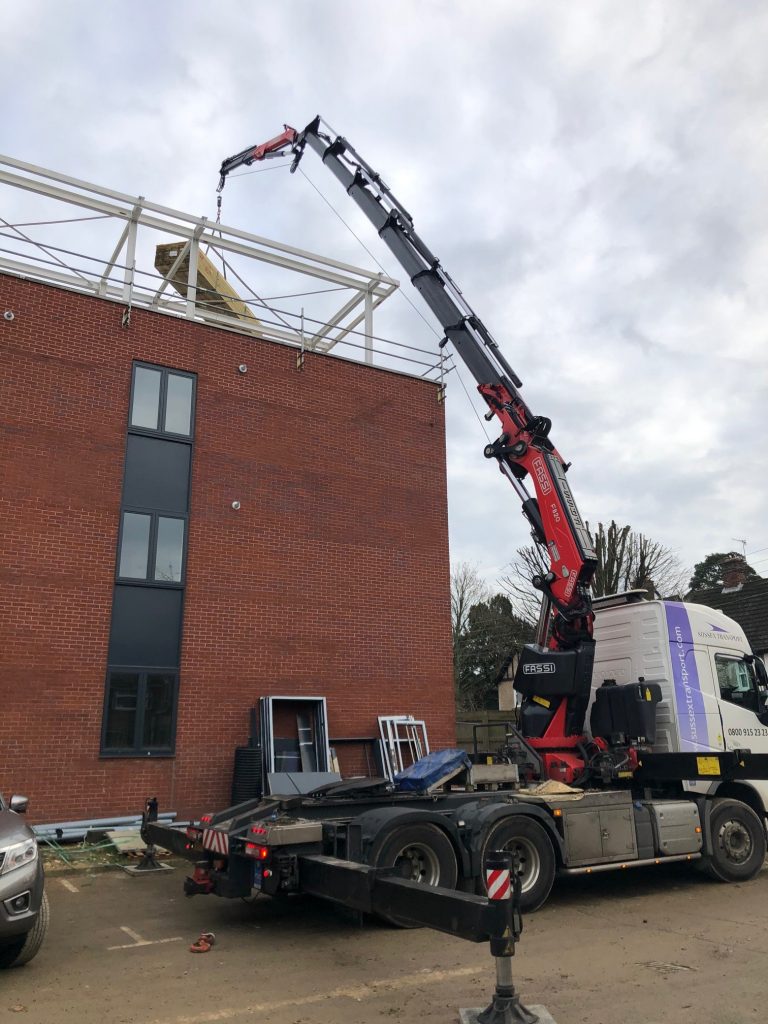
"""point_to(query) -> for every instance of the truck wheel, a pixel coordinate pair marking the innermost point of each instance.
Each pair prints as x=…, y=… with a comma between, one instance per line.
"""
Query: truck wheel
x=737, y=837
x=22, y=949
x=536, y=858
x=422, y=853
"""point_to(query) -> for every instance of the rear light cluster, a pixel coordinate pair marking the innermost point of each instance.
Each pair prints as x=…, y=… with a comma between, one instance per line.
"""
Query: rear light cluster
x=255, y=849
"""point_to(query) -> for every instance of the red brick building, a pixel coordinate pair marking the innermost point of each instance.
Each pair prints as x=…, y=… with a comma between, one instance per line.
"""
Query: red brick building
x=330, y=578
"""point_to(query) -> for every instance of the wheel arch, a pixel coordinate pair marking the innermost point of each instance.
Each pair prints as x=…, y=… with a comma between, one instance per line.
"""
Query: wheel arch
x=476, y=820
x=369, y=829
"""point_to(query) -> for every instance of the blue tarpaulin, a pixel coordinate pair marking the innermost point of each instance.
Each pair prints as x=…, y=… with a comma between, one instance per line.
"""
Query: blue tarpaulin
x=441, y=764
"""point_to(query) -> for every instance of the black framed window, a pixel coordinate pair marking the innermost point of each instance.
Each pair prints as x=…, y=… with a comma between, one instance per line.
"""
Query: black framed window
x=145, y=403
x=134, y=546
x=168, y=561
x=151, y=547
x=178, y=404
x=140, y=712
x=162, y=401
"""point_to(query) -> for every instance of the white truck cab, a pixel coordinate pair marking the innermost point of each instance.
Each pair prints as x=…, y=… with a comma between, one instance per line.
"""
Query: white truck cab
x=714, y=690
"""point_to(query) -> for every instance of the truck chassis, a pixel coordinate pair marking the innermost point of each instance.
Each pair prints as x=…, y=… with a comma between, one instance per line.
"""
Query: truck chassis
x=288, y=844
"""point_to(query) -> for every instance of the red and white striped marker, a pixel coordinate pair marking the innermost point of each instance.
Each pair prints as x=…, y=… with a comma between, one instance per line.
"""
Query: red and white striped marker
x=498, y=883
x=215, y=841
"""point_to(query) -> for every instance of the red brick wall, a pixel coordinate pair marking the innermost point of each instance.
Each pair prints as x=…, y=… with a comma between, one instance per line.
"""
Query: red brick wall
x=331, y=579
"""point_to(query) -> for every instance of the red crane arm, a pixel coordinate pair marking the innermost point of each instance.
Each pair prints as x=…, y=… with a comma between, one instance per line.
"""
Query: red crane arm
x=274, y=147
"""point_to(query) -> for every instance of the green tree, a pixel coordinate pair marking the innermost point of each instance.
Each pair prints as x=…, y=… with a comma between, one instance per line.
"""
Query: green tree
x=708, y=572
x=493, y=632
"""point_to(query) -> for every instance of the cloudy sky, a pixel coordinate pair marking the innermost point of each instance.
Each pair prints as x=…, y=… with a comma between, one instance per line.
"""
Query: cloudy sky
x=592, y=174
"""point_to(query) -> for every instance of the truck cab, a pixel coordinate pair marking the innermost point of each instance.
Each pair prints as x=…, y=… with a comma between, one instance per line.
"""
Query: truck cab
x=713, y=689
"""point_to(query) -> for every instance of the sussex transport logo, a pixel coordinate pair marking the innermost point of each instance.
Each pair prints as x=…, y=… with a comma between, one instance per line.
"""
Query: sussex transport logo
x=718, y=633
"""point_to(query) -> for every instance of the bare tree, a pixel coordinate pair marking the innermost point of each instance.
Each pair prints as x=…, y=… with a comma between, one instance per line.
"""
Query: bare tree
x=611, y=547
x=653, y=567
x=467, y=588
x=529, y=561
x=625, y=561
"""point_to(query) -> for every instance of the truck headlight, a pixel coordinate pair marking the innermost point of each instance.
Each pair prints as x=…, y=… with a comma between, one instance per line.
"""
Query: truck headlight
x=16, y=856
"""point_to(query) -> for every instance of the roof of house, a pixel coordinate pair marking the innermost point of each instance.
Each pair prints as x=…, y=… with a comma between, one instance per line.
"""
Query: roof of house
x=748, y=606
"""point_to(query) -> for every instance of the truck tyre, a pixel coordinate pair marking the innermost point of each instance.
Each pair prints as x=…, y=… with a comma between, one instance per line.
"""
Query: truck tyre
x=423, y=853
x=536, y=858
x=738, y=845
x=21, y=950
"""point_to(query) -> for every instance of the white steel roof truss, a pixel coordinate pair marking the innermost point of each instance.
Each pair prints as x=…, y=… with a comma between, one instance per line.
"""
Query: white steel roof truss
x=121, y=274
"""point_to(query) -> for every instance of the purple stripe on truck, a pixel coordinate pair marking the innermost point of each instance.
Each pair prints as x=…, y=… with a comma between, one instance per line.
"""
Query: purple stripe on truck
x=691, y=717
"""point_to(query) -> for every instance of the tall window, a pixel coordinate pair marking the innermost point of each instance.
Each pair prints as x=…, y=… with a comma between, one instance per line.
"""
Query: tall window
x=145, y=637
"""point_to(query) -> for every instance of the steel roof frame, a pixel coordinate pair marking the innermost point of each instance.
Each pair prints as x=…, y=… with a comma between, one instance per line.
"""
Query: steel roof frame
x=117, y=276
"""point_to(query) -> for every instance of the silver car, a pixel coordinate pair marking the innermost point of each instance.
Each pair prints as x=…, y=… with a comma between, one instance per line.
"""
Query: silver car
x=23, y=901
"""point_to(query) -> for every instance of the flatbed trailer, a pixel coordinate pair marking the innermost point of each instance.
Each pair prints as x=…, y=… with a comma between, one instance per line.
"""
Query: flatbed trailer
x=288, y=844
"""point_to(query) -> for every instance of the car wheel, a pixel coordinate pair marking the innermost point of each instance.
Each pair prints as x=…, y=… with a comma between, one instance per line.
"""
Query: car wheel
x=23, y=949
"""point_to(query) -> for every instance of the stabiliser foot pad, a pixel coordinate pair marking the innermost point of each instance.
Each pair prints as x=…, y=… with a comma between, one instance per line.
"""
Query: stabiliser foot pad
x=470, y=1016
